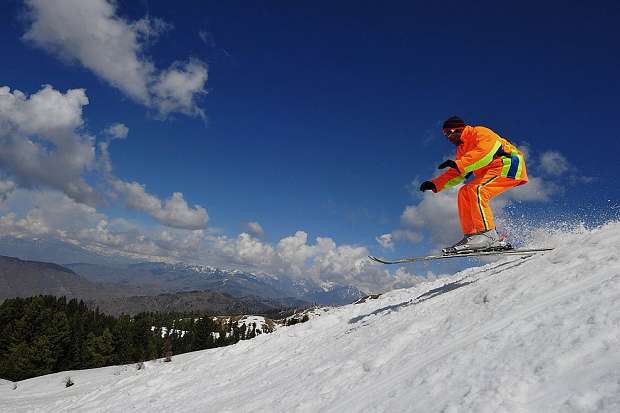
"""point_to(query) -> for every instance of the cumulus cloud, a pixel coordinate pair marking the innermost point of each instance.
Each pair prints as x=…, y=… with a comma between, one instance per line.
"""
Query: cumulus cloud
x=173, y=212
x=407, y=235
x=244, y=250
x=177, y=88
x=436, y=215
x=32, y=224
x=554, y=163
x=536, y=189
x=255, y=229
x=39, y=142
x=322, y=260
x=117, y=131
x=51, y=213
x=45, y=212
x=6, y=188
x=294, y=252
x=42, y=146
x=386, y=241
x=92, y=34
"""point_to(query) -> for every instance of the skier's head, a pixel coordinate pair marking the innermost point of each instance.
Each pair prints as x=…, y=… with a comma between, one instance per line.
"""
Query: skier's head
x=453, y=128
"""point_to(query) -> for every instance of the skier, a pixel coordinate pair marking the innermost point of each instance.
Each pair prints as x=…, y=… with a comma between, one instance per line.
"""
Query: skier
x=497, y=166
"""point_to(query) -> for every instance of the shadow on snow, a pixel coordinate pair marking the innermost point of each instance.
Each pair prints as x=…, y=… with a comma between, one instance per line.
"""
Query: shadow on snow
x=446, y=288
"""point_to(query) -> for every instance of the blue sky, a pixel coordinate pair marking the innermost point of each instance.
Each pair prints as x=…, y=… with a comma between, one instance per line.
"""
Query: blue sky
x=304, y=116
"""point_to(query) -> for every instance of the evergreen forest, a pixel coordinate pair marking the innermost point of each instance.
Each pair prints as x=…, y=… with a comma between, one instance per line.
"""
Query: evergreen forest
x=47, y=334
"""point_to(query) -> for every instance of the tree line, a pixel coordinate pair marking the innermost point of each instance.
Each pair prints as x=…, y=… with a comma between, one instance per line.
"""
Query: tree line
x=47, y=334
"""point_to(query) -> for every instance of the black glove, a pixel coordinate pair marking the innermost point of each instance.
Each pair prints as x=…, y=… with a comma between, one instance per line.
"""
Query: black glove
x=428, y=185
x=449, y=163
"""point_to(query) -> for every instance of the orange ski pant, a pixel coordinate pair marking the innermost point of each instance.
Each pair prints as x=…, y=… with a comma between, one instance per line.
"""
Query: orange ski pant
x=473, y=202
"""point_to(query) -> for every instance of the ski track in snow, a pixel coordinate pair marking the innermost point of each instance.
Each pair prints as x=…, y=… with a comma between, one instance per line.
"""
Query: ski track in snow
x=539, y=334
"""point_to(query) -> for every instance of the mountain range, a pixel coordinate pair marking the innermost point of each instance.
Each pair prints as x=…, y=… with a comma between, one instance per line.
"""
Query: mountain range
x=172, y=278
x=131, y=277
x=120, y=286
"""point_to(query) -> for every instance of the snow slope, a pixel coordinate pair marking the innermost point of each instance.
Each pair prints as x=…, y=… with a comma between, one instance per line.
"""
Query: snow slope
x=540, y=334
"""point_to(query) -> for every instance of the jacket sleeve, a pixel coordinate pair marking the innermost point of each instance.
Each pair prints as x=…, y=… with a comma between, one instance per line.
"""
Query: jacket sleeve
x=448, y=179
x=486, y=145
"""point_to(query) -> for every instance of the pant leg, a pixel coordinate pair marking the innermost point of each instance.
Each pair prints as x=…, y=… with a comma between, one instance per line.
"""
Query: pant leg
x=465, y=200
x=474, y=204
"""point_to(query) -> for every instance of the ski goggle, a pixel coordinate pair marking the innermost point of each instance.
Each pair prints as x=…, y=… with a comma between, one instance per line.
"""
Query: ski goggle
x=449, y=132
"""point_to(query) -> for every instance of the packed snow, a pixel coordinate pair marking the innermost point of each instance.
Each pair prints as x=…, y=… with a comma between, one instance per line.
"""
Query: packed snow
x=539, y=334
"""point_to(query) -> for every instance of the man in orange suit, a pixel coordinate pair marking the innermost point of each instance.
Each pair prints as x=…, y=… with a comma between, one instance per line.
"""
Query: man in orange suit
x=497, y=166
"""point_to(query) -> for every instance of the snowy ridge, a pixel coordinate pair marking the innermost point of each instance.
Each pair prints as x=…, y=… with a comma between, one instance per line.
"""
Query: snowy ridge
x=539, y=334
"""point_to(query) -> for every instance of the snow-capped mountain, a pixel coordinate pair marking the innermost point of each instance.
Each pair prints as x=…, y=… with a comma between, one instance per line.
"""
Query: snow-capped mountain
x=537, y=334
x=187, y=277
x=156, y=277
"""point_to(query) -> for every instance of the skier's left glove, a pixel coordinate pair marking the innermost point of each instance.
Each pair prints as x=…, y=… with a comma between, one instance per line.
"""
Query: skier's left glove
x=449, y=163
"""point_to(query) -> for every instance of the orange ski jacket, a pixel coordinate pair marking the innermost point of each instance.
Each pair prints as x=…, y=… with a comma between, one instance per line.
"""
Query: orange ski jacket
x=483, y=152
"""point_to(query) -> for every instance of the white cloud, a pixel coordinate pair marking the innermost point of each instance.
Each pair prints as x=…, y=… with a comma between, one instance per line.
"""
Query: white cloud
x=176, y=213
x=173, y=212
x=403, y=278
x=255, y=229
x=54, y=208
x=406, y=235
x=207, y=38
x=92, y=34
x=244, y=250
x=536, y=189
x=6, y=188
x=51, y=213
x=437, y=215
x=386, y=241
x=294, y=256
x=32, y=224
x=554, y=163
x=117, y=131
x=177, y=88
x=294, y=252
x=39, y=145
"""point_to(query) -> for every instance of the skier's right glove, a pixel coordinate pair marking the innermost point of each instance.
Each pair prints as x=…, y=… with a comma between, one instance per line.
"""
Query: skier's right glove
x=428, y=186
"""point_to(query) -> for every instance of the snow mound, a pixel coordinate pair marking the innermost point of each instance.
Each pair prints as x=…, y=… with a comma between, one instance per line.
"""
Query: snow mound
x=539, y=334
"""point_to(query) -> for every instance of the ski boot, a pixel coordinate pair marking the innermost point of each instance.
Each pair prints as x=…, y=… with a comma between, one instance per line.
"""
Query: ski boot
x=484, y=241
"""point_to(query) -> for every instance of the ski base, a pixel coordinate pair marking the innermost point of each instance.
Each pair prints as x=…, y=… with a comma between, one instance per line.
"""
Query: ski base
x=464, y=254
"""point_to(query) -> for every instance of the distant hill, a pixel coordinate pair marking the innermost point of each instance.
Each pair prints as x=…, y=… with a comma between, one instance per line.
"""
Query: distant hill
x=48, y=249
x=170, y=278
x=152, y=278
x=211, y=302
x=19, y=278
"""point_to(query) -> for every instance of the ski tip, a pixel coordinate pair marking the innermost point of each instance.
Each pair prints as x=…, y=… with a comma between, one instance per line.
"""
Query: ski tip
x=379, y=260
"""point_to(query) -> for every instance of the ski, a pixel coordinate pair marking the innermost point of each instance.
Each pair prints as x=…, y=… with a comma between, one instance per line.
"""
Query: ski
x=531, y=251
